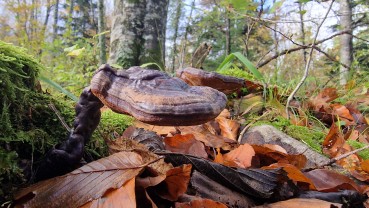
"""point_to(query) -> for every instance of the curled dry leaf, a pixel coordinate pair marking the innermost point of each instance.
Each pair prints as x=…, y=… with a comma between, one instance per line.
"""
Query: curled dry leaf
x=229, y=128
x=186, y=144
x=295, y=175
x=84, y=184
x=240, y=157
x=200, y=203
x=325, y=96
x=333, y=141
x=203, y=135
x=175, y=183
x=331, y=181
x=301, y=203
x=265, y=156
x=122, y=197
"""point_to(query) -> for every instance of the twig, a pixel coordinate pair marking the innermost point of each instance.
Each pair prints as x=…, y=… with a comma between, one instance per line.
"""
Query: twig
x=61, y=119
x=286, y=51
x=248, y=126
x=307, y=64
x=333, y=160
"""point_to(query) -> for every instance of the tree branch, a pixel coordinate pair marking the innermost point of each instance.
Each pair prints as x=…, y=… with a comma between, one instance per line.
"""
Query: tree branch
x=300, y=47
x=307, y=64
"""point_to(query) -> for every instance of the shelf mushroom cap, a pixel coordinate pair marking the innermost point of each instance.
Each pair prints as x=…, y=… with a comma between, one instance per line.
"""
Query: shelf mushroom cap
x=154, y=97
x=198, y=77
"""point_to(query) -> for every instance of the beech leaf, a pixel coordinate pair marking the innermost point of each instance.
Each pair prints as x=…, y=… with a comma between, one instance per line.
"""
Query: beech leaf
x=84, y=184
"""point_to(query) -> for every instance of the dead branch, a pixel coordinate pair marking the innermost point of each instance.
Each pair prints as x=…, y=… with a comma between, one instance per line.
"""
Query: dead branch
x=307, y=64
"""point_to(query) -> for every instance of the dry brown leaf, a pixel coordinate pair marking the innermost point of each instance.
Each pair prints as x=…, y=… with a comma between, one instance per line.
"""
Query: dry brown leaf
x=265, y=157
x=295, y=175
x=333, y=141
x=241, y=156
x=186, y=144
x=365, y=165
x=200, y=203
x=161, y=130
x=205, y=136
x=84, y=184
x=343, y=113
x=275, y=147
x=129, y=145
x=229, y=128
x=331, y=181
x=325, y=96
x=122, y=197
x=175, y=183
x=301, y=203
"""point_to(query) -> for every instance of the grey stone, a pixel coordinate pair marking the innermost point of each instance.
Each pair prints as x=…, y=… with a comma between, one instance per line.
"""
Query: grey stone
x=266, y=134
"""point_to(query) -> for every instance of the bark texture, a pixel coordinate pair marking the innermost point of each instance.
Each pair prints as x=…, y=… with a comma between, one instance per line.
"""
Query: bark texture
x=56, y=19
x=101, y=28
x=138, y=32
x=346, y=49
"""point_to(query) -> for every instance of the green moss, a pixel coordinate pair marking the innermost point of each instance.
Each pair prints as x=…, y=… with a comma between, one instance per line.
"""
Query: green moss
x=356, y=145
x=312, y=138
x=110, y=124
x=236, y=72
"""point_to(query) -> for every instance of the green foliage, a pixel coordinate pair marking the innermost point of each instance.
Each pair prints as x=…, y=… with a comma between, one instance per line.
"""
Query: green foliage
x=71, y=66
x=356, y=145
x=229, y=59
x=234, y=71
x=111, y=124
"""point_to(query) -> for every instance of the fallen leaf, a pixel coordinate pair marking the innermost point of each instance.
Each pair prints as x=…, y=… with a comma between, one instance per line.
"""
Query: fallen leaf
x=229, y=128
x=84, y=184
x=266, y=156
x=205, y=136
x=121, y=197
x=175, y=183
x=325, y=96
x=200, y=203
x=161, y=130
x=294, y=174
x=128, y=145
x=252, y=182
x=186, y=144
x=330, y=181
x=301, y=203
x=333, y=141
x=241, y=156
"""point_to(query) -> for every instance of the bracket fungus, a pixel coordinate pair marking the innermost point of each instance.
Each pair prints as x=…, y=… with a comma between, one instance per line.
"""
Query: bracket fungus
x=151, y=96
x=198, y=77
x=154, y=97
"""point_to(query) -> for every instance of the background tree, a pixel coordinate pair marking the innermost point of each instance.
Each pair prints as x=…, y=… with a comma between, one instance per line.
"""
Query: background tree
x=138, y=32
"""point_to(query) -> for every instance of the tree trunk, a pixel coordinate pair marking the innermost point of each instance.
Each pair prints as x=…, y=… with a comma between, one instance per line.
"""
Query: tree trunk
x=302, y=30
x=48, y=9
x=56, y=19
x=101, y=28
x=184, y=42
x=126, y=33
x=228, y=34
x=175, y=36
x=154, y=32
x=346, y=49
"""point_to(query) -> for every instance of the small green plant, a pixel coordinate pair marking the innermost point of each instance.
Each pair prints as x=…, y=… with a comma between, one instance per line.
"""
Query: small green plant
x=356, y=145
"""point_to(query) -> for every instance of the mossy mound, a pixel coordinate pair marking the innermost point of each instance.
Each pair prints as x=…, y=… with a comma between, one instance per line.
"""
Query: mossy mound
x=29, y=127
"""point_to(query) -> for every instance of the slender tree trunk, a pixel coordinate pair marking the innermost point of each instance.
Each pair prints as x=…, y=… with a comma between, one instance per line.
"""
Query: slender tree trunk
x=101, y=29
x=56, y=19
x=302, y=30
x=346, y=49
x=48, y=10
x=228, y=34
x=154, y=32
x=126, y=33
x=175, y=36
x=183, y=54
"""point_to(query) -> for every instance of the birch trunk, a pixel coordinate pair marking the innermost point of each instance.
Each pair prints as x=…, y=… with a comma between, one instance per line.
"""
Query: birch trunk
x=346, y=49
x=126, y=34
x=154, y=32
x=101, y=28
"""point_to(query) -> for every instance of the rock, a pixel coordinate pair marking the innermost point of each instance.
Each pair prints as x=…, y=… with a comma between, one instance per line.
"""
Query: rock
x=268, y=134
